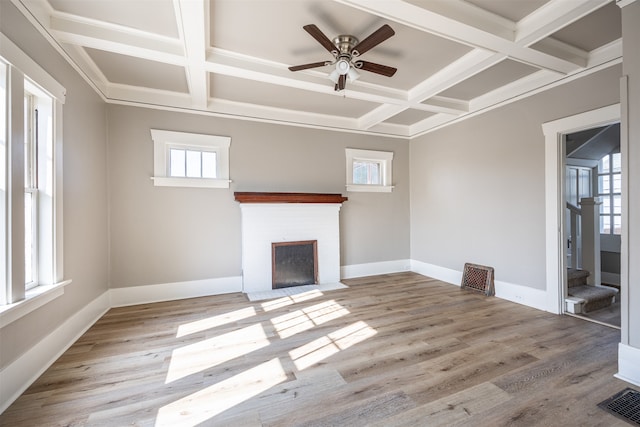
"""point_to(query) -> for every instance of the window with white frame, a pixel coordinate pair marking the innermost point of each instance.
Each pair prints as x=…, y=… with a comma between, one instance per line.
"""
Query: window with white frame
x=183, y=159
x=30, y=180
x=369, y=170
x=610, y=193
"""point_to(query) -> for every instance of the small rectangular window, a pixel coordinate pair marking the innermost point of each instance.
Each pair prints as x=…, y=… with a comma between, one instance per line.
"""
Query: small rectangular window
x=184, y=159
x=369, y=170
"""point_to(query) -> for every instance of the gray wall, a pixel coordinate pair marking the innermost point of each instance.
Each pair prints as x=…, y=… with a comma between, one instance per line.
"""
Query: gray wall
x=477, y=187
x=85, y=193
x=163, y=235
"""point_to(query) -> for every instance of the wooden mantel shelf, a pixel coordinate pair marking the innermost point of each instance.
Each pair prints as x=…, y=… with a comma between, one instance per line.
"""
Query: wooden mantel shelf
x=249, y=197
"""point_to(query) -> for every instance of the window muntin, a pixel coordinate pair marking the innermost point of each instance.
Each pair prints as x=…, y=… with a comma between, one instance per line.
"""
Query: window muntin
x=369, y=170
x=609, y=191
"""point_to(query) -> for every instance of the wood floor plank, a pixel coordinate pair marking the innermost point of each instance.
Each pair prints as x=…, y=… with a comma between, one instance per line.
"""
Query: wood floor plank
x=390, y=350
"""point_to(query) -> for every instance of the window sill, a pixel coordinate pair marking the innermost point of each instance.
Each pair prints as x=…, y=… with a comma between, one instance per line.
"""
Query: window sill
x=370, y=188
x=34, y=299
x=163, y=181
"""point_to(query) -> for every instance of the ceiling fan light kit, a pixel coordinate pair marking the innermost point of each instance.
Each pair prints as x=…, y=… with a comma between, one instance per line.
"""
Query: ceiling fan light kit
x=345, y=49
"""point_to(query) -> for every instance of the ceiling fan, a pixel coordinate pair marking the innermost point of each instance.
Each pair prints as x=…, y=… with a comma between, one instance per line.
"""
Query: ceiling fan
x=345, y=50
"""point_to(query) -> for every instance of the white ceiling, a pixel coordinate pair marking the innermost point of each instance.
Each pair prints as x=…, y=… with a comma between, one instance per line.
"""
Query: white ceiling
x=231, y=57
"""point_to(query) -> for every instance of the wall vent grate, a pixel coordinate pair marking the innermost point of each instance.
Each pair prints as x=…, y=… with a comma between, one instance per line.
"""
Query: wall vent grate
x=478, y=278
x=624, y=405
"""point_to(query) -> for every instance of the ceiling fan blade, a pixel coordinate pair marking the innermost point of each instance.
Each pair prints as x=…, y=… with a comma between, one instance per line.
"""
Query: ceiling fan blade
x=342, y=82
x=377, y=37
x=320, y=37
x=306, y=66
x=376, y=68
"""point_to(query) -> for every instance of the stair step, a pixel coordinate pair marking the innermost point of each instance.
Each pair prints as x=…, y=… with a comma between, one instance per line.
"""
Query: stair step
x=595, y=297
x=576, y=277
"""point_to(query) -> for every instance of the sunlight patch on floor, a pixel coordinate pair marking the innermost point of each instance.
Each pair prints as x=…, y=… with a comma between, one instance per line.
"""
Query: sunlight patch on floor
x=330, y=344
x=304, y=319
x=205, y=404
x=205, y=354
x=290, y=300
x=214, y=321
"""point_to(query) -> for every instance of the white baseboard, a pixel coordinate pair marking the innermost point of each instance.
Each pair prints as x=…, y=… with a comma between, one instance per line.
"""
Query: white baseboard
x=628, y=364
x=22, y=372
x=121, y=297
x=524, y=295
x=436, y=272
x=374, y=268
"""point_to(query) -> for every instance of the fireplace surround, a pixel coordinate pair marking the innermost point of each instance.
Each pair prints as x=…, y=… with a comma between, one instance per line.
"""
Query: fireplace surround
x=269, y=218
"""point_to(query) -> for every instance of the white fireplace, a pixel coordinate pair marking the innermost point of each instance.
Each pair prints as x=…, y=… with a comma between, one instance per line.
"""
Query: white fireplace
x=269, y=218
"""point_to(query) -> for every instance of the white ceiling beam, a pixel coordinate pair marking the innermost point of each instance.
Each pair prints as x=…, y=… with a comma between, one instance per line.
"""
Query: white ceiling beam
x=379, y=115
x=442, y=104
x=459, y=70
x=115, y=38
x=553, y=16
x=443, y=26
x=245, y=67
x=191, y=16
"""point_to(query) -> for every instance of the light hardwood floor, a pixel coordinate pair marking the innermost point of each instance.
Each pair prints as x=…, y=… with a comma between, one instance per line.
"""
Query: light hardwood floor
x=391, y=350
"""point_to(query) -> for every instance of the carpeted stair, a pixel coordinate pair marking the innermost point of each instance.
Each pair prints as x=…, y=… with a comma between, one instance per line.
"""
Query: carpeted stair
x=594, y=297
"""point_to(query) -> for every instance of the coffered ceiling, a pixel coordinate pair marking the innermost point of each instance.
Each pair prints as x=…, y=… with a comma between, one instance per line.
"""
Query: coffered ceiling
x=231, y=57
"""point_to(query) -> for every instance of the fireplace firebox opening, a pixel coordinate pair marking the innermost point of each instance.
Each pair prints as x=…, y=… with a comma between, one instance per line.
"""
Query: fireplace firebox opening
x=294, y=263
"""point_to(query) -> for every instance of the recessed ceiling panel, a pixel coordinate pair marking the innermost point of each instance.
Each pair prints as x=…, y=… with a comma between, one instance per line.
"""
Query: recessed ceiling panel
x=129, y=13
x=273, y=30
x=129, y=70
x=271, y=95
x=409, y=117
x=513, y=10
x=492, y=78
x=594, y=30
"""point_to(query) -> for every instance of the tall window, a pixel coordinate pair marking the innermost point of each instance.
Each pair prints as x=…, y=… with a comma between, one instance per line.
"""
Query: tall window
x=30, y=180
x=610, y=192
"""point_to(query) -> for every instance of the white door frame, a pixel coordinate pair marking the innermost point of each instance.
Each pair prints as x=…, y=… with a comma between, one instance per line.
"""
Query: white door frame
x=554, y=150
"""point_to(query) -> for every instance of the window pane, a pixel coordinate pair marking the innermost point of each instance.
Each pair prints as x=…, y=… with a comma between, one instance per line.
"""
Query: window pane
x=604, y=186
x=603, y=165
x=194, y=165
x=359, y=173
x=617, y=224
x=617, y=183
x=617, y=204
x=366, y=173
x=208, y=164
x=176, y=162
x=605, y=207
x=572, y=186
x=617, y=162
x=28, y=237
x=605, y=224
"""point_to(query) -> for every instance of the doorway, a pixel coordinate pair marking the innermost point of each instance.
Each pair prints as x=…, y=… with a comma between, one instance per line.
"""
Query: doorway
x=555, y=200
x=593, y=223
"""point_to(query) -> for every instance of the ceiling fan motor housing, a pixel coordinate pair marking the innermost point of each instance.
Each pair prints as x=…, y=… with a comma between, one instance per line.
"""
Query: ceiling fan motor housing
x=345, y=44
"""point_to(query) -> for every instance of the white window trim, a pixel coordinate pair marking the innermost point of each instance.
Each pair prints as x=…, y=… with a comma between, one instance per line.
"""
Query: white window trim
x=386, y=160
x=164, y=139
x=53, y=287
